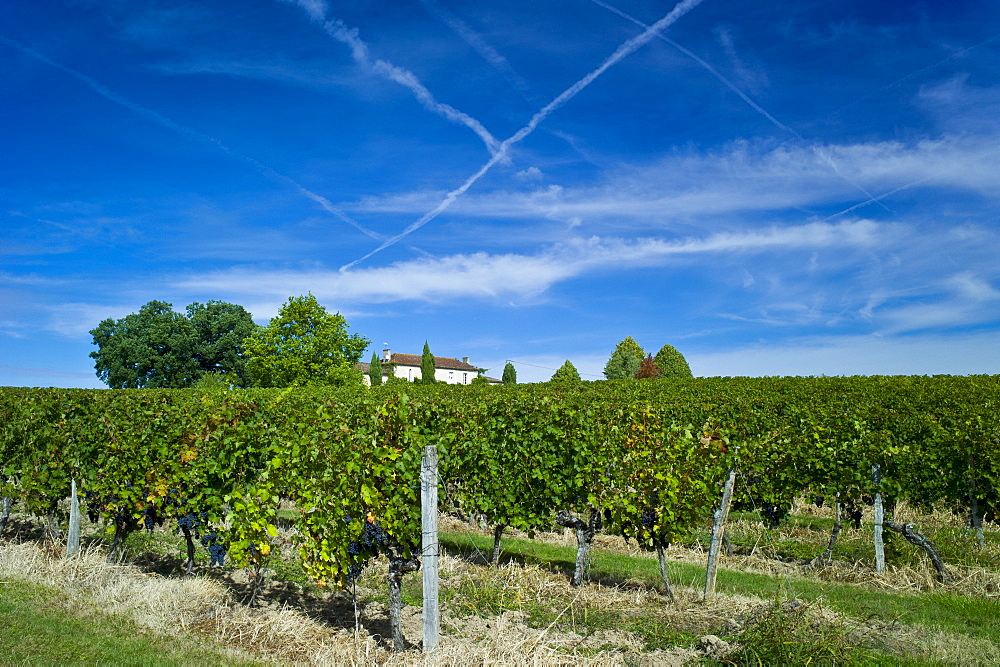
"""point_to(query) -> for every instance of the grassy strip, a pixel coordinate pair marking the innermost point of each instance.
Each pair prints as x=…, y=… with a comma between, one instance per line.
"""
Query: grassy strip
x=805, y=536
x=958, y=614
x=37, y=631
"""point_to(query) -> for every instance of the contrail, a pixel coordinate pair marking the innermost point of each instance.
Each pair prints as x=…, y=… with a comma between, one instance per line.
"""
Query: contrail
x=480, y=45
x=160, y=119
x=339, y=31
x=879, y=198
x=627, y=48
x=78, y=232
x=711, y=70
x=746, y=98
x=913, y=74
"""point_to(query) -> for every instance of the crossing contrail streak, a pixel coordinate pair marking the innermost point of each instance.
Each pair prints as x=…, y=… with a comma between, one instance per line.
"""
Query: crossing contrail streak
x=711, y=70
x=340, y=32
x=160, y=119
x=746, y=98
x=878, y=198
x=627, y=48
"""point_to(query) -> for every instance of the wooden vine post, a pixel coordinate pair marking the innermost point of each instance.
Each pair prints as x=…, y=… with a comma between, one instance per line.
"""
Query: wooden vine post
x=429, y=546
x=878, y=521
x=73, y=539
x=718, y=528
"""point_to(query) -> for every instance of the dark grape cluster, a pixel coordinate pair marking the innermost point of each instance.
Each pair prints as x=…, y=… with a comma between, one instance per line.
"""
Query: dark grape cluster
x=218, y=554
x=372, y=541
x=854, y=516
x=373, y=537
x=188, y=522
x=216, y=550
x=648, y=518
x=774, y=515
x=93, y=506
x=151, y=518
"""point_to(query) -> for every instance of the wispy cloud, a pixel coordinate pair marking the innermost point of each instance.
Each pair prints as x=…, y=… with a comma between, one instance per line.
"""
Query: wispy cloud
x=957, y=301
x=76, y=319
x=624, y=50
x=753, y=78
x=514, y=276
x=338, y=30
x=480, y=45
x=316, y=9
x=268, y=70
x=739, y=179
x=191, y=133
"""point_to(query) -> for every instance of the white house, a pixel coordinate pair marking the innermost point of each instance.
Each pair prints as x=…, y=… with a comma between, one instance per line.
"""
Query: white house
x=446, y=369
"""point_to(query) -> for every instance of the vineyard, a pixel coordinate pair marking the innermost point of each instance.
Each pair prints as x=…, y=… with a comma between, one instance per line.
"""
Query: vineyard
x=339, y=470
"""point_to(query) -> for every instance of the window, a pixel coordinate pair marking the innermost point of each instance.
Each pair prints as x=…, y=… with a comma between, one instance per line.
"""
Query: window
x=465, y=378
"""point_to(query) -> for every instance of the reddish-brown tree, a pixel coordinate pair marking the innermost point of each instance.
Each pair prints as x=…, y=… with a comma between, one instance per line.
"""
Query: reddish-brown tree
x=648, y=369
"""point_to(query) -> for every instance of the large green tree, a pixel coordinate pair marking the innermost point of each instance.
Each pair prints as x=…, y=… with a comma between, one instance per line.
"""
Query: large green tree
x=509, y=374
x=161, y=348
x=304, y=345
x=672, y=363
x=427, y=366
x=566, y=373
x=625, y=360
x=222, y=328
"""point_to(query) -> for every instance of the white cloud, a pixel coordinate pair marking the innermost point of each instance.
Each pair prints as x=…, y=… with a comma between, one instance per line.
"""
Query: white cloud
x=316, y=9
x=957, y=301
x=743, y=178
x=75, y=320
x=529, y=174
x=484, y=275
x=269, y=70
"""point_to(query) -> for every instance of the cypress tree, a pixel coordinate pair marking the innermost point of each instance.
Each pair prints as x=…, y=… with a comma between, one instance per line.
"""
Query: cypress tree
x=427, y=366
x=375, y=370
x=509, y=374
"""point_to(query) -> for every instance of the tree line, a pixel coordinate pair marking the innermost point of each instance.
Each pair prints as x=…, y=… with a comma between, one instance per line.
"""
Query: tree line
x=218, y=344
x=630, y=361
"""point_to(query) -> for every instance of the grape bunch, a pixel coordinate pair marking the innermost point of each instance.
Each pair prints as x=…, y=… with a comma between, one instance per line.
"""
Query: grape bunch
x=151, y=518
x=93, y=506
x=774, y=514
x=215, y=550
x=372, y=541
x=188, y=522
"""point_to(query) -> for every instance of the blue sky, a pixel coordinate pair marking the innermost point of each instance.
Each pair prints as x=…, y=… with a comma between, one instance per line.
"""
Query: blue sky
x=773, y=188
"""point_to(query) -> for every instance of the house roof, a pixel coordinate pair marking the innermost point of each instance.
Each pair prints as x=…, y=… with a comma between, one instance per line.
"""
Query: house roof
x=439, y=362
x=446, y=363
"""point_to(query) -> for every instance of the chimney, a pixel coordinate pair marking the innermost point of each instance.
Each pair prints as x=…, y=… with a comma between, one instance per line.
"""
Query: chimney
x=386, y=355
x=465, y=360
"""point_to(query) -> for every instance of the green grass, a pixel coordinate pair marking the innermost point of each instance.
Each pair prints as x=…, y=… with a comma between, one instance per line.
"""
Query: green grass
x=971, y=616
x=36, y=630
x=812, y=534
